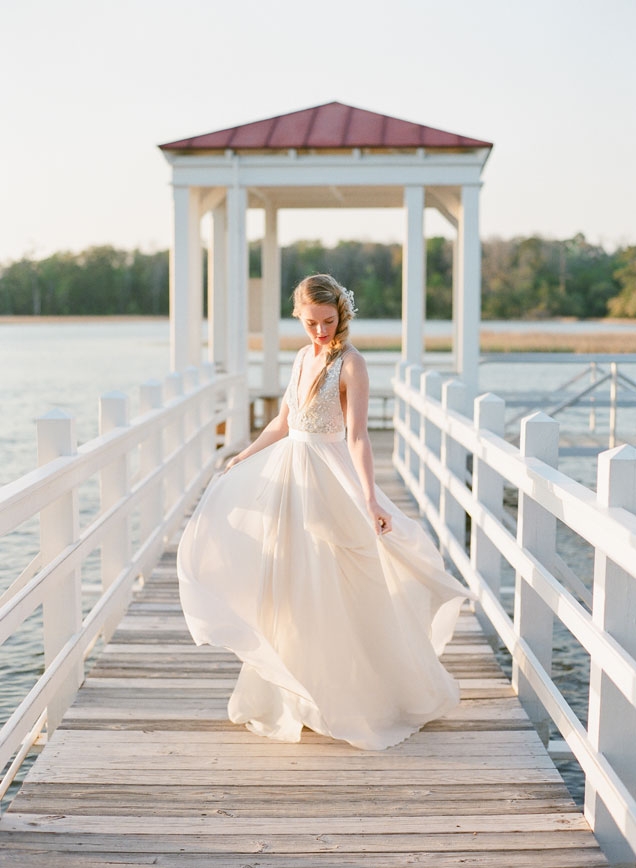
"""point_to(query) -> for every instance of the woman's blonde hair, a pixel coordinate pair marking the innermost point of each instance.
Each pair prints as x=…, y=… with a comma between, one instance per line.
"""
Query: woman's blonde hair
x=325, y=289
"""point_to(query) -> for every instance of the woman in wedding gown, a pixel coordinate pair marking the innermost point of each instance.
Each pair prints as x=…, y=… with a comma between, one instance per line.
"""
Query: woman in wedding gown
x=336, y=602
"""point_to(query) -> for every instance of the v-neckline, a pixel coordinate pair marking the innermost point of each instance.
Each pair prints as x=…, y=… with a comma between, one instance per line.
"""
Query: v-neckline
x=300, y=373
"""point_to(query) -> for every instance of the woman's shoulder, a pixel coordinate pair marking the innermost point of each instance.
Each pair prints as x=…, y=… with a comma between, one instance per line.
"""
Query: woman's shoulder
x=353, y=361
x=351, y=353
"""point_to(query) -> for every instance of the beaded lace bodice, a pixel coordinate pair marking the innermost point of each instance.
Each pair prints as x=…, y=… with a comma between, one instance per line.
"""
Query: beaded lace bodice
x=324, y=414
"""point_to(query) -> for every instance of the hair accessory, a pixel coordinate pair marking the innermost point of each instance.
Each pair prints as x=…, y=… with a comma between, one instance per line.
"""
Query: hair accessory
x=349, y=295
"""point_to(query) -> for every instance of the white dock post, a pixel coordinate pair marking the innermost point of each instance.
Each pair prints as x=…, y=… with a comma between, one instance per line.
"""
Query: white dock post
x=237, y=281
x=186, y=281
x=271, y=313
x=413, y=374
x=611, y=718
x=488, y=490
x=209, y=406
x=613, y=404
x=454, y=458
x=536, y=532
x=430, y=436
x=413, y=276
x=399, y=413
x=173, y=438
x=192, y=425
x=59, y=527
x=469, y=297
x=114, y=484
x=150, y=458
x=217, y=288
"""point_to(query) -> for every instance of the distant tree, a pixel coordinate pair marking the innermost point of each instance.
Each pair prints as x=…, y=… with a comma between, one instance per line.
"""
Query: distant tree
x=499, y=298
x=60, y=277
x=18, y=288
x=521, y=278
x=298, y=260
x=587, y=279
x=624, y=304
x=439, y=278
x=148, y=283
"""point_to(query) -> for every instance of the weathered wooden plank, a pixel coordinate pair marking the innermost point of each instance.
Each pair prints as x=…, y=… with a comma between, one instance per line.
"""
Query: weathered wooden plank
x=292, y=801
x=367, y=777
x=558, y=858
x=440, y=747
x=238, y=735
x=386, y=843
x=221, y=827
x=339, y=766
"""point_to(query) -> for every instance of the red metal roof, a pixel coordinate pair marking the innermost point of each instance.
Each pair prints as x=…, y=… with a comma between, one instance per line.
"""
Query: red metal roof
x=332, y=125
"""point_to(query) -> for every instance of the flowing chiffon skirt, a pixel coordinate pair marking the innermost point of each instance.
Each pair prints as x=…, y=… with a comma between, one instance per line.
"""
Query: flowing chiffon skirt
x=338, y=629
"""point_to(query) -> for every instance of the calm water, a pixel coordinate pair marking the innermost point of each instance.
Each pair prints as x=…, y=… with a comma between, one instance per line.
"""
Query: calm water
x=68, y=365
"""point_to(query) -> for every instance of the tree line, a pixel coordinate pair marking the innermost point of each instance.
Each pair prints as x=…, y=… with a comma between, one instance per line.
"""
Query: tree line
x=522, y=278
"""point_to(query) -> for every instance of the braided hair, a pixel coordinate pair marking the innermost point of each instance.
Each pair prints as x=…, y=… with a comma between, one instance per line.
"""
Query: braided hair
x=325, y=289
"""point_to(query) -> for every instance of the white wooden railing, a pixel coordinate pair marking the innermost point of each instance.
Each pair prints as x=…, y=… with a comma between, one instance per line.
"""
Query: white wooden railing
x=150, y=471
x=455, y=462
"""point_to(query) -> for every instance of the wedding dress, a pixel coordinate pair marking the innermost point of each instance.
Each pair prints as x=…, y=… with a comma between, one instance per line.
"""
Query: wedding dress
x=338, y=629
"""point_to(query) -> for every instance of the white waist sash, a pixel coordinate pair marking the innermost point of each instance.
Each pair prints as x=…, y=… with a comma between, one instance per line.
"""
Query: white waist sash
x=316, y=436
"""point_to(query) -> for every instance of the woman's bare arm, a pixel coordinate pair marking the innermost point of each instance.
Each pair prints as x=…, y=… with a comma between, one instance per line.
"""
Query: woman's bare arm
x=274, y=431
x=355, y=378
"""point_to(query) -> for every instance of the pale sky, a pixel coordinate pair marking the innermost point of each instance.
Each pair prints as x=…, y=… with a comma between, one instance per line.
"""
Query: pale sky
x=88, y=90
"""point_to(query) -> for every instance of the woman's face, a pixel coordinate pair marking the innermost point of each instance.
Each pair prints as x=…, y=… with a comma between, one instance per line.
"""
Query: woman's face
x=320, y=321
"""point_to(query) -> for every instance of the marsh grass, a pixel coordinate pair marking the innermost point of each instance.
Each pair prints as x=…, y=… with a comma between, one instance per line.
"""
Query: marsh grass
x=491, y=342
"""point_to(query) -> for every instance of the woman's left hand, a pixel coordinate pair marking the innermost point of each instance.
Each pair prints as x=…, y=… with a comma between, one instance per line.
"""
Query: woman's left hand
x=381, y=519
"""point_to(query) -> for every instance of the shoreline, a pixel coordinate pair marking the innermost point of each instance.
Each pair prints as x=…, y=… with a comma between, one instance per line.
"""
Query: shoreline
x=539, y=340
x=490, y=342
x=21, y=319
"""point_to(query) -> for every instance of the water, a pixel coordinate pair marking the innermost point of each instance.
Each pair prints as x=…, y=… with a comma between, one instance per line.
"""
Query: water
x=69, y=364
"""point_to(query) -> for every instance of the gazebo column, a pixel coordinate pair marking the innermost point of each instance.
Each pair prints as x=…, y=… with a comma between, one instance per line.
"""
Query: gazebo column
x=456, y=298
x=217, y=289
x=237, y=279
x=237, y=288
x=186, y=278
x=468, y=296
x=271, y=313
x=413, y=276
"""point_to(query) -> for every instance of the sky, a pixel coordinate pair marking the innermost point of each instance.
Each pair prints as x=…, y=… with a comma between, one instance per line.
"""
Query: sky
x=89, y=89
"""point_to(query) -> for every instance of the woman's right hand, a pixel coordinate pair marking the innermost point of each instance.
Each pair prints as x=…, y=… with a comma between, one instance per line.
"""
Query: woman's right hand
x=234, y=460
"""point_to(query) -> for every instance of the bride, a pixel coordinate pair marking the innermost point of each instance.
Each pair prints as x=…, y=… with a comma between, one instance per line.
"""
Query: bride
x=337, y=603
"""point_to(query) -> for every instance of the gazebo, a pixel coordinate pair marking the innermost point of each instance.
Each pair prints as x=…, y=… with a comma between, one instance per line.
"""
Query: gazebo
x=328, y=156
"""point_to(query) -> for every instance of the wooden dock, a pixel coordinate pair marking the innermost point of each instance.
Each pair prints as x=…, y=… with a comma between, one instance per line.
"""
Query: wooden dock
x=145, y=769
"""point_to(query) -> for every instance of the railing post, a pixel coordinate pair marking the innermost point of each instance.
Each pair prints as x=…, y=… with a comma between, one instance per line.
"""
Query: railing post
x=208, y=371
x=430, y=437
x=399, y=413
x=613, y=404
x=413, y=373
x=59, y=527
x=536, y=532
x=150, y=458
x=593, y=378
x=114, y=484
x=173, y=440
x=611, y=718
x=488, y=487
x=237, y=426
x=209, y=444
x=192, y=426
x=453, y=457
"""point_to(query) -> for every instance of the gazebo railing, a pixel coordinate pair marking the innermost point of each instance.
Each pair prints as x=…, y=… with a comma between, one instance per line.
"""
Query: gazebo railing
x=457, y=466
x=149, y=472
